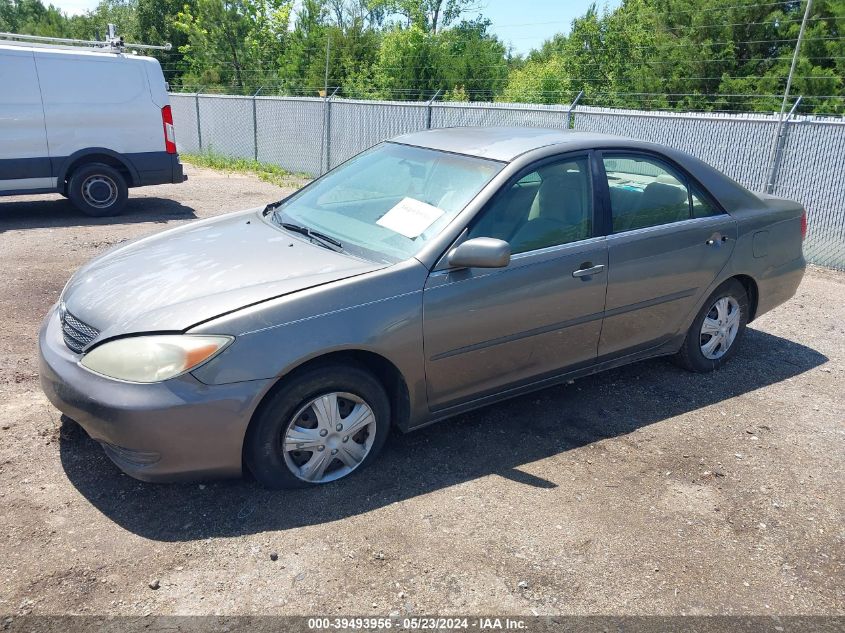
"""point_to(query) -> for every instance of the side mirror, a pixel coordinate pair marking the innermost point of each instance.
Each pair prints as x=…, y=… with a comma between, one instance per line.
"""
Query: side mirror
x=480, y=252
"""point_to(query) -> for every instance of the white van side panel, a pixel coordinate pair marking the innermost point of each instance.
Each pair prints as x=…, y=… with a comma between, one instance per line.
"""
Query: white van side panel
x=24, y=158
x=98, y=101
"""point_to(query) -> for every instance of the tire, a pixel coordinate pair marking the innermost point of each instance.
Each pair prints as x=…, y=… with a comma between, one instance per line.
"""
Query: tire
x=288, y=415
x=693, y=354
x=98, y=190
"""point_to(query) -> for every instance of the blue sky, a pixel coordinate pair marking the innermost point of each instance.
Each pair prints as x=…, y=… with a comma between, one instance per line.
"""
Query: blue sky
x=527, y=24
x=522, y=24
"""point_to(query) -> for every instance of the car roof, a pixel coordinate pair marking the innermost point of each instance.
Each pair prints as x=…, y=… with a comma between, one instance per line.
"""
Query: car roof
x=509, y=143
x=503, y=143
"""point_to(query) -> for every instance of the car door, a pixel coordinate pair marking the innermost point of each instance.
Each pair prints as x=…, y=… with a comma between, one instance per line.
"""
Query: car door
x=486, y=329
x=669, y=239
x=24, y=159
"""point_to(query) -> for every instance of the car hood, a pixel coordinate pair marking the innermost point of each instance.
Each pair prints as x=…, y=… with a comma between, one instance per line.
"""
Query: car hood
x=181, y=277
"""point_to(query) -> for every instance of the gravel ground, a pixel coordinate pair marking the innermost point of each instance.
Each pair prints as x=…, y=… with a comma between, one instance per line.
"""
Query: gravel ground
x=644, y=490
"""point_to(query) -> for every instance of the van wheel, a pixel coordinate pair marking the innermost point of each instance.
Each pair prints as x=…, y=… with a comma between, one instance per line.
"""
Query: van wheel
x=98, y=190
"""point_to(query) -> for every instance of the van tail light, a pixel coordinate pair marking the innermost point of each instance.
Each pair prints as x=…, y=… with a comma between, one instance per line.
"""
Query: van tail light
x=169, y=131
x=804, y=225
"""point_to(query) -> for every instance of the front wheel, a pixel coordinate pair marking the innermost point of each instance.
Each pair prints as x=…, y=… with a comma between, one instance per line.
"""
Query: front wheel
x=716, y=332
x=319, y=427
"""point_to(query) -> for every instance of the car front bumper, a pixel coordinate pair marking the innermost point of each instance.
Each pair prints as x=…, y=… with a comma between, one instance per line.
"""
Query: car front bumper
x=173, y=430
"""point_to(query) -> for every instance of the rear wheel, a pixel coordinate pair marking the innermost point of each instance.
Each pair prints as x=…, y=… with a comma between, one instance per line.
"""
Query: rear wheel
x=319, y=427
x=715, y=334
x=98, y=190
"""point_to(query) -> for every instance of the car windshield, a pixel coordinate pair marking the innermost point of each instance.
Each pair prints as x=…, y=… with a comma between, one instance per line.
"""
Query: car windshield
x=389, y=201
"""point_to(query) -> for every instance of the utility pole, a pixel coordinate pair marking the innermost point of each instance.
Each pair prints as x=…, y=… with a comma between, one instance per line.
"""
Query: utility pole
x=773, y=156
x=795, y=56
x=328, y=48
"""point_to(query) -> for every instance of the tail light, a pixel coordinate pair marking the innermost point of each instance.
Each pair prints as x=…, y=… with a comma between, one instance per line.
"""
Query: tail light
x=169, y=131
x=804, y=225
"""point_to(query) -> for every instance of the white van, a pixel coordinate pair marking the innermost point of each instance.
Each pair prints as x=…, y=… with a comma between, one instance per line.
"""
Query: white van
x=83, y=123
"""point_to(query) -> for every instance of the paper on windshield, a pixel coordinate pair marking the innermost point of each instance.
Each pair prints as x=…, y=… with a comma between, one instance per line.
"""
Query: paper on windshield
x=410, y=217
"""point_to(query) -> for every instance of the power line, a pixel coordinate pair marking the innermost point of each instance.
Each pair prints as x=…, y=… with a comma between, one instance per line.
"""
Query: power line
x=641, y=12
x=654, y=47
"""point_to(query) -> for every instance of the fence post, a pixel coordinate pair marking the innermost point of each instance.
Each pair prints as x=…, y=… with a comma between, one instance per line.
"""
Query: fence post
x=255, y=123
x=569, y=121
x=199, y=127
x=428, y=108
x=777, y=150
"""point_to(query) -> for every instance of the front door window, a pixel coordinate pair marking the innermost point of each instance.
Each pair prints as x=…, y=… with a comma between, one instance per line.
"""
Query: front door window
x=550, y=206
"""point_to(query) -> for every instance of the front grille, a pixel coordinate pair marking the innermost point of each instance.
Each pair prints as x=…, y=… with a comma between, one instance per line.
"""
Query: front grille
x=77, y=334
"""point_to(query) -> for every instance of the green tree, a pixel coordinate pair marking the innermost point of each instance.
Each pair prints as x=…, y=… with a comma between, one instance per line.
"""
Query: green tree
x=539, y=81
x=156, y=24
x=410, y=64
x=32, y=17
x=234, y=44
x=474, y=59
x=708, y=55
x=428, y=15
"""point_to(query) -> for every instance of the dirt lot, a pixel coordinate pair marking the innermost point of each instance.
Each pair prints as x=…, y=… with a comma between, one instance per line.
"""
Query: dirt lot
x=642, y=490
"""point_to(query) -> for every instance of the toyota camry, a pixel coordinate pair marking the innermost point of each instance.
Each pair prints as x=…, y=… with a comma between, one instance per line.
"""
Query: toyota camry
x=432, y=274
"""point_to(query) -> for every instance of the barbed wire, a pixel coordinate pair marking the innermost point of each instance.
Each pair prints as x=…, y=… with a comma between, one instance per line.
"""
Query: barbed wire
x=644, y=62
x=700, y=95
x=658, y=102
x=657, y=48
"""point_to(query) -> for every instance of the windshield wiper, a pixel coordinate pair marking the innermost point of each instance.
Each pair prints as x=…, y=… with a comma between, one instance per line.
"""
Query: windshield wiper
x=325, y=240
x=324, y=237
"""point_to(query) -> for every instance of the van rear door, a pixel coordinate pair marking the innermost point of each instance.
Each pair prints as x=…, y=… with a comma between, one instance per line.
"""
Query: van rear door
x=24, y=159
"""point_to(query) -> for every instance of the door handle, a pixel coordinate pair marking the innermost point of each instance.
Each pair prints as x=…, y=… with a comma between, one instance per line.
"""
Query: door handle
x=713, y=240
x=586, y=272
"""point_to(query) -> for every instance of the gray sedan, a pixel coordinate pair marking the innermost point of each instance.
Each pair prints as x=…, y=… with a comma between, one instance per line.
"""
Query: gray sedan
x=432, y=274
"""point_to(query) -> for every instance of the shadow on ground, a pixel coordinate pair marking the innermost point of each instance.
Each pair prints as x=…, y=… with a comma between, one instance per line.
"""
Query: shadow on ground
x=34, y=214
x=495, y=440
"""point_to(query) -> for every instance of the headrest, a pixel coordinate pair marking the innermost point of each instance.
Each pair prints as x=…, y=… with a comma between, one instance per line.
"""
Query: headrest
x=561, y=196
x=658, y=194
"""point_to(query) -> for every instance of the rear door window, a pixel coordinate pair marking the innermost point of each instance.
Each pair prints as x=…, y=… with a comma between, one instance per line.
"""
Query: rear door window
x=645, y=192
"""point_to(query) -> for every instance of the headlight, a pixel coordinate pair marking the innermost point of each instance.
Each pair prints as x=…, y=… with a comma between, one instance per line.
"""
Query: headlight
x=153, y=358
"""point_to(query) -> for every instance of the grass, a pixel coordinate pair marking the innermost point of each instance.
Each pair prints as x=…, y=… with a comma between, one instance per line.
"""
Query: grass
x=265, y=171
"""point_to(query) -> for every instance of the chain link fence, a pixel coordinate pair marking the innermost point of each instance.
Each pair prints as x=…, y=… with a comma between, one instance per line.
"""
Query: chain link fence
x=312, y=135
x=290, y=133
x=500, y=114
x=812, y=171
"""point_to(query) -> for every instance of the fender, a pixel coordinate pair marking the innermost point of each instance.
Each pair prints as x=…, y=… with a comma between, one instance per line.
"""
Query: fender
x=61, y=165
